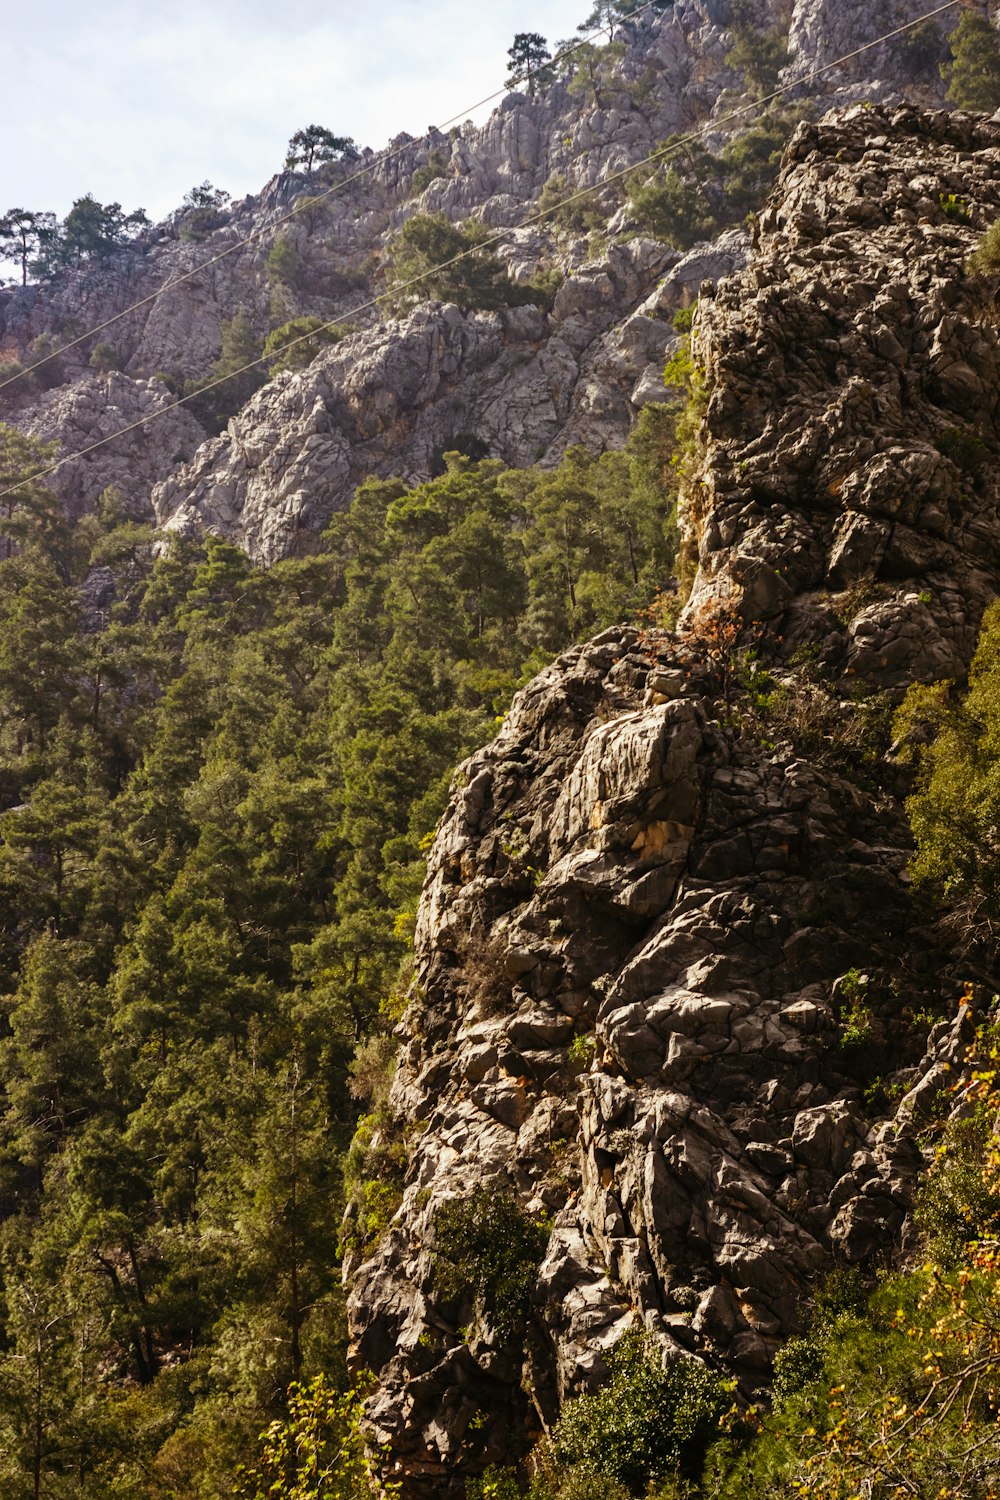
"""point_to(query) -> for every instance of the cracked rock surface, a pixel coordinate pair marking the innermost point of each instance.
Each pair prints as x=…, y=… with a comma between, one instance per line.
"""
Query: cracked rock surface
x=849, y=483
x=661, y=959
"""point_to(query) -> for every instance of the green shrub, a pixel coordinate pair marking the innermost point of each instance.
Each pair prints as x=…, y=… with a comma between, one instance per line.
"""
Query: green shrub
x=856, y=1018
x=650, y=1420
x=579, y=216
x=953, y=206
x=487, y=1251
x=582, y=1048
x=449, y=262
x=955, y=810
x=296, y=343
x=919, y=48
x=284, y=261
x=236, y=370
x=985, y=259
x=104, y=358
x=424, y=176
x=751, y=160
x=759, y=56
x=672, y=206
x=960, y=1198
x=204, y=207
x=495, y=1483
x=966, y=449
x=554, y=1481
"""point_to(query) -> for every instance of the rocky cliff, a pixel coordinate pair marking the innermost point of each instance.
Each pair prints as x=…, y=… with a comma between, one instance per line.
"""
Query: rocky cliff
x=524, y=387
x=670, y=970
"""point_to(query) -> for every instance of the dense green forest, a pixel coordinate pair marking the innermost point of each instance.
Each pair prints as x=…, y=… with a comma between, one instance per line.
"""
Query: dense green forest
x=217, y=785
x=216, y=788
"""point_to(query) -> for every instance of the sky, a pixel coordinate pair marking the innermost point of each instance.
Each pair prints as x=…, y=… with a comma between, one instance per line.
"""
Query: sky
x=137, y=103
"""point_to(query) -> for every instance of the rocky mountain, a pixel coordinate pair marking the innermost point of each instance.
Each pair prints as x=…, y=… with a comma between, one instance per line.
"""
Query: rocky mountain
x=522, y=386
x=676, y=1005
x=651, y=910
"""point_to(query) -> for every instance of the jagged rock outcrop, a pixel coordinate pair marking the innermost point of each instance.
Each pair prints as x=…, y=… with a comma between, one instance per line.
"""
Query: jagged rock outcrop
x=170, y=296
x=157, y=436
x=714, y=906
x=524, y=384
x=852, y=427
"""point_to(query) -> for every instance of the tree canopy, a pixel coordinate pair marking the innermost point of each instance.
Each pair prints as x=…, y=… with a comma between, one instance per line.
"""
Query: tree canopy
x=450, y=263
x=215, y=798
x=315, y=144
x=973, y=72
x=527, y=58
x=24, y=236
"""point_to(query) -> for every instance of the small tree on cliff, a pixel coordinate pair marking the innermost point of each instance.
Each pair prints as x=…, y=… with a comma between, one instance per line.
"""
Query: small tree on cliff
x=527, y=58
x=973, y=75
x=315, y=144
x=24, y=234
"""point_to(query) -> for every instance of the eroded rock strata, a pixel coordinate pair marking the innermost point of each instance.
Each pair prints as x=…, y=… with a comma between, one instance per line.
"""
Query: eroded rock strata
x=642, y=861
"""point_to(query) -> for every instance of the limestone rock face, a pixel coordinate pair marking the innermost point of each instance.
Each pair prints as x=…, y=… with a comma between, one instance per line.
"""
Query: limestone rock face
x=689, y=904
x=392, y=400
x=579, y=378
x=659, y=955
x=849, y=484
x=99, y=406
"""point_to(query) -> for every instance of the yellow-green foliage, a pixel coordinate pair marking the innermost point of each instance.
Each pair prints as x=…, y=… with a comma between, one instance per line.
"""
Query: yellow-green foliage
x=317, y=1453
x=955, y=810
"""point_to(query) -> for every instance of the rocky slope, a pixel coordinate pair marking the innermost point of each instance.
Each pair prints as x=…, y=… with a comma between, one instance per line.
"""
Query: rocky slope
x=523, y=384
x=579, y=374
x=670, y=968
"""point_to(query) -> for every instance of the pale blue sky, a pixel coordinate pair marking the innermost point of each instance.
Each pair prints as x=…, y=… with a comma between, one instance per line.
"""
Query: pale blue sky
x=137, y=103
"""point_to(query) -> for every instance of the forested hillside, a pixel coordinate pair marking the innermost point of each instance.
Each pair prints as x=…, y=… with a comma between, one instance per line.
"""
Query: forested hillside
x=218, y=786
x=498, y=794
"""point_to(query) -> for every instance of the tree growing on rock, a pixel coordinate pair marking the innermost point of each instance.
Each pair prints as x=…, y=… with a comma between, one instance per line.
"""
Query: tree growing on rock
x=431, y=257
x=955, y=809
x=203, y=211
x=596, y=73
x=760, y=57
x=89, y=231
x=674, y=201
x=24, y=235
x=527, y=58
x=608, y=15
x=973, y=74
x=233, y=377
x=296, y=343
x=315, y=144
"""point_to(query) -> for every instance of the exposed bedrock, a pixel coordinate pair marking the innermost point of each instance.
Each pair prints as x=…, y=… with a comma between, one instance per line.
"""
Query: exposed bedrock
x=670, y=973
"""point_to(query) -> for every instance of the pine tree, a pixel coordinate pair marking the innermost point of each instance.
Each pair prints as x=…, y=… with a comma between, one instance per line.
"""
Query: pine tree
x=973, y=75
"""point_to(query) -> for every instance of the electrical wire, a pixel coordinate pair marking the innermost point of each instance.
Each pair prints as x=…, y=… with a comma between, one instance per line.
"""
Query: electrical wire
x=310, y=201
x=663, y=153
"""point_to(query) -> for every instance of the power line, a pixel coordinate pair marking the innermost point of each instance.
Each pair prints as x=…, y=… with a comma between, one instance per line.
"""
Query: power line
x=662, y=154
x=310, y=201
